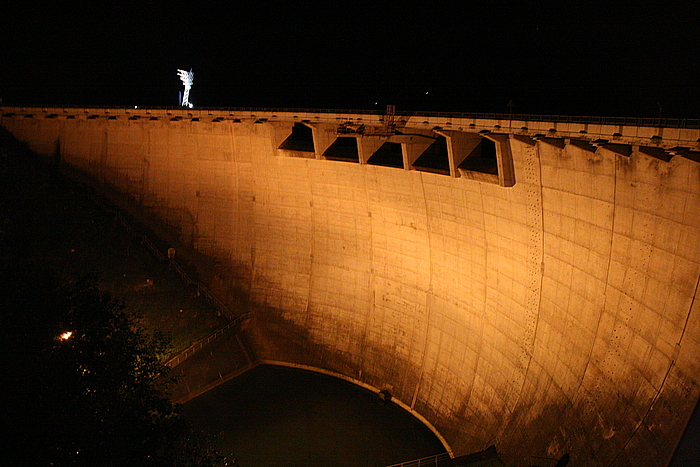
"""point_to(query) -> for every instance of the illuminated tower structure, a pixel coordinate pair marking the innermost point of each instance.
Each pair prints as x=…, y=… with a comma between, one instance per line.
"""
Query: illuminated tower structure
x=187, y=79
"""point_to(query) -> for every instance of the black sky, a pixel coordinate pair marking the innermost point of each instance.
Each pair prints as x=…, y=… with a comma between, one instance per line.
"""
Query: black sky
x=626, y=58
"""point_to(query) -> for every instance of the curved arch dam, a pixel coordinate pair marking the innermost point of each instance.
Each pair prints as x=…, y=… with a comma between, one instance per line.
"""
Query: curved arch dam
x=525, y=283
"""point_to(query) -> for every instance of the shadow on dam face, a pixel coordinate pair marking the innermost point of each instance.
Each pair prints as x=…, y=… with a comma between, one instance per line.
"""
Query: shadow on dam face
x=275, y=415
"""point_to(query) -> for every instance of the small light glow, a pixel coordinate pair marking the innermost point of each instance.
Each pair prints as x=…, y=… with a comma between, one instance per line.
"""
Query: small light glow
x=66, y=335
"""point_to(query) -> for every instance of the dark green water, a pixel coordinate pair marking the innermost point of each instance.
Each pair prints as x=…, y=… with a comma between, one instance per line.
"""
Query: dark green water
x=275, y=416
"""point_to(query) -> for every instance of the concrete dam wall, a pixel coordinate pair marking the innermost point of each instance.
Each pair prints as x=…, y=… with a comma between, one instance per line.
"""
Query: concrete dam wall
x=528, y=284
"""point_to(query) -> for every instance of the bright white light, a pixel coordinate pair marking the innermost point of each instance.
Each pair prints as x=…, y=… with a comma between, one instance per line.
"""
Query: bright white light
x=187, y=79
x=66, y=335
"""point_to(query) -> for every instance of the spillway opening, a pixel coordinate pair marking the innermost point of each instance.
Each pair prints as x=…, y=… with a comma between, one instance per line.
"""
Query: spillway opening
x=482, y=158
x=388, y=155
x=301, y=139
x=343, y=149
x=435, y=158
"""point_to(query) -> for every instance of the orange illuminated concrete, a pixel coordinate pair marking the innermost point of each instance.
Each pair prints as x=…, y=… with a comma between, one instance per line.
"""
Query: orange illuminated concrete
x=531, y=285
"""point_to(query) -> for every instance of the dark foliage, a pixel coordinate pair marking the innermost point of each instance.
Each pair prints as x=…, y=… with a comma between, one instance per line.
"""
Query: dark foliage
x=94, y=398
x=98, y=397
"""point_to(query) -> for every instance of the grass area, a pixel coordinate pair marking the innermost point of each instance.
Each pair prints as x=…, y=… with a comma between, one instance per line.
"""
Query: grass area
x=47, y=221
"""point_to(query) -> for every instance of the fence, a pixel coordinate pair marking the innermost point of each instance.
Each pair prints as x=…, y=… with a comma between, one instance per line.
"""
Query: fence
x=431, y=461
x=191, y=350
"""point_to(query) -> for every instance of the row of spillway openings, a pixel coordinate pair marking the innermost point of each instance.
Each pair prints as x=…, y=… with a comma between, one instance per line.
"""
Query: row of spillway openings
x=428, y=151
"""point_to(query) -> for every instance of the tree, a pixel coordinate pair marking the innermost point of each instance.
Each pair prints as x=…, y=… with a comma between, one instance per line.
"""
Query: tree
x=86, y=385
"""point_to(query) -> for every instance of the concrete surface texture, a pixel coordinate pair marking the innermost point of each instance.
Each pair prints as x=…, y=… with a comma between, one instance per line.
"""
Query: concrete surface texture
x=528, y=284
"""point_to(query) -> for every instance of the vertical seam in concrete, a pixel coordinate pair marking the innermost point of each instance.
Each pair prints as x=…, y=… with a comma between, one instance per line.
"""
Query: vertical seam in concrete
x=483, y=306
x=690, y=310
x=428, y=301
x=307, y=321
x=607, y=278
x=370, y=305
x=253, y=224
x=235, y=169
x=103, y=157
x=245, y=352
x=146, y=140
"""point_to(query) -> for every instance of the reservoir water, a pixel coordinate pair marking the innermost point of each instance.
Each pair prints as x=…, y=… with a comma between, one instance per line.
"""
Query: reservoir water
x=277, y=416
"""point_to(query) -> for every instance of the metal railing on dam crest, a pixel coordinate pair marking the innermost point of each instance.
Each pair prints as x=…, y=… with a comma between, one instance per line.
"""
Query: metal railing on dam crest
x=659, y=122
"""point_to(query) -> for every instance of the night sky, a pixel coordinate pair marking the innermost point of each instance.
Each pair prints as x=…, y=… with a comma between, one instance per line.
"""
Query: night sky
x=625, y=59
